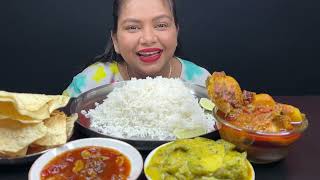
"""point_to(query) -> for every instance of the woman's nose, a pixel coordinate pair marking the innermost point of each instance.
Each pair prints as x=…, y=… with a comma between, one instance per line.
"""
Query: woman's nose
x=148, y=36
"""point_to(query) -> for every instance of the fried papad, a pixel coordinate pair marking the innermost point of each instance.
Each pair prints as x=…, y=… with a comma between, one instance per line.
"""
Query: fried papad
x=29, y=108
x=56, y=130
x=20, y=153
x=70, y=124
x=15, y=136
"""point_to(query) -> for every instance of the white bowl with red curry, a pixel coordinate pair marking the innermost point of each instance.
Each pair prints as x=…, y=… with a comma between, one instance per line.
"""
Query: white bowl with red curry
x=90, y=158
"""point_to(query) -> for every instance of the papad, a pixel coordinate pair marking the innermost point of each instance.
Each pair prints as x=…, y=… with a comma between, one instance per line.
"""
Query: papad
x=20, y=153
x=14, y=135
x=56, y=130
x=29, y=108
x=70, y=124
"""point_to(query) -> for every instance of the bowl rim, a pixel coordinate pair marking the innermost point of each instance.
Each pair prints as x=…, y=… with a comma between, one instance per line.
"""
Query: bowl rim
x=138, y=166
x=302, y=127
x=148, y=158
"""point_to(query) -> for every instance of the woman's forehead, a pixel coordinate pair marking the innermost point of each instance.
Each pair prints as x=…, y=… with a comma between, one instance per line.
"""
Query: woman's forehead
x=142, y=9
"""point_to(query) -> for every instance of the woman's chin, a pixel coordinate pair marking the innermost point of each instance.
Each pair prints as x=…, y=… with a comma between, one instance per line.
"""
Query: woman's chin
x=150, y=71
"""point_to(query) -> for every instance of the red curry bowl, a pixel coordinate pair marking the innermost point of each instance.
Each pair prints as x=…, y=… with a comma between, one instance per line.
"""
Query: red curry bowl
x=128, y=151
x=261, y=147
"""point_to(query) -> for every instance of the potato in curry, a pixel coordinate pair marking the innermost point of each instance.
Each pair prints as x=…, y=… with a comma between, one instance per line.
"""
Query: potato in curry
x=198, y=158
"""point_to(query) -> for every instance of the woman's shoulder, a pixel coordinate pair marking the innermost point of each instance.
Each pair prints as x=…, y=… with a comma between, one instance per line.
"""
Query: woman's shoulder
x=100, y=71
x=101, y=66
x=97, y=74
x=192, y=72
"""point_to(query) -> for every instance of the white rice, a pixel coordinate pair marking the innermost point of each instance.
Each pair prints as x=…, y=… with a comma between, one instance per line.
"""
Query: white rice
x=149, y=108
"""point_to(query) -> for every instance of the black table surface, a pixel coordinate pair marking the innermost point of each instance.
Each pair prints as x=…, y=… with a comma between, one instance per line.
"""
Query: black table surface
x=302, y=161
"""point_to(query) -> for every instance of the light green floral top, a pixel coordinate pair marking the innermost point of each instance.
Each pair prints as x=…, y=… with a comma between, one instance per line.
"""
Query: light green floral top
x=99, y=74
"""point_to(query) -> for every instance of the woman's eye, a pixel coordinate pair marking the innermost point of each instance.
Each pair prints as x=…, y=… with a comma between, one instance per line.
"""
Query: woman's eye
x=162, y=26
x=132, y=28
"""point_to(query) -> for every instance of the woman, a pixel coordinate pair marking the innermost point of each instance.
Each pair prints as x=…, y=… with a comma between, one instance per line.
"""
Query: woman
x=144, y=41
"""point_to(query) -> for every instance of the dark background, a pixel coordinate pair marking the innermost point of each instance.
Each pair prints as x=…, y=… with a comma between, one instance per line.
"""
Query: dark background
x=267, y=45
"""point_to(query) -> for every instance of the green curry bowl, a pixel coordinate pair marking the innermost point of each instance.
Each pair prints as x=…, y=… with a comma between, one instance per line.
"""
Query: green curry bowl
x=197, y=158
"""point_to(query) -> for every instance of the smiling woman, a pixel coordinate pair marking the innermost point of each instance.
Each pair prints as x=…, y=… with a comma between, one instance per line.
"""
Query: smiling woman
x=144, y=39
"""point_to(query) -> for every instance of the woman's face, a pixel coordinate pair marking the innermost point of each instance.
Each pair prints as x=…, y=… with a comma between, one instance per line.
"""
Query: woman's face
x=146, y=36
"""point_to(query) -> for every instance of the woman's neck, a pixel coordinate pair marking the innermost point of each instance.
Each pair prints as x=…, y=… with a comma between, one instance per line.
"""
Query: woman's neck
x=175, y=65
x=166, y=72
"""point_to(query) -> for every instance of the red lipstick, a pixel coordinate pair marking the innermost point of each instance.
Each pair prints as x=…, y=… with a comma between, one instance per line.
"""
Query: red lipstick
x=149, y=55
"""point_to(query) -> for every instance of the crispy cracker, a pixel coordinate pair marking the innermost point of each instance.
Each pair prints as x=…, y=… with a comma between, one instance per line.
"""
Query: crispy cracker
x=15, y=136
x=20, y=153
x=29, y=107
x=70, y=124
x=56, y=130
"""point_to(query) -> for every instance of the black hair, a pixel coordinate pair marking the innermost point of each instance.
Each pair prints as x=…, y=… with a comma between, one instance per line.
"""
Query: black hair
x=110, y=53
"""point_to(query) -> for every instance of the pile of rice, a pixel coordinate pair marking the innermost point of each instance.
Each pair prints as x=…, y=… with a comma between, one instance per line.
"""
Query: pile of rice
x=151, y=108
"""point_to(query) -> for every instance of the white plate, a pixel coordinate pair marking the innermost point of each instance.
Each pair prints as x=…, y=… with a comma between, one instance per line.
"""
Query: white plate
x=147, y=161
x=133, y=155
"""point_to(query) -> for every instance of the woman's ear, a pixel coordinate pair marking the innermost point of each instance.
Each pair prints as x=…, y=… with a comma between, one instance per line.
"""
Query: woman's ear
x=115, y=42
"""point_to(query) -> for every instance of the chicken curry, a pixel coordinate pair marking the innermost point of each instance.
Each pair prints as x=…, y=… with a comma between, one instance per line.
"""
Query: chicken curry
x=256, y=112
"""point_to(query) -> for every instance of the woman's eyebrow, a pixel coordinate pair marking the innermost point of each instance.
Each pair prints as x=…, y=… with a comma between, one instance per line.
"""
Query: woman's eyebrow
x=162, y=17
x=133, y=20
x=130, y=20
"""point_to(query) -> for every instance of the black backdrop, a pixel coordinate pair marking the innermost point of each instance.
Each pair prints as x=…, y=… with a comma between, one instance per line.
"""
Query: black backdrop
x=267, y=45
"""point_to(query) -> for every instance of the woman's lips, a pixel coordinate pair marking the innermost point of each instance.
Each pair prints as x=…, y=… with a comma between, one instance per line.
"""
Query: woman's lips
x=150, y=54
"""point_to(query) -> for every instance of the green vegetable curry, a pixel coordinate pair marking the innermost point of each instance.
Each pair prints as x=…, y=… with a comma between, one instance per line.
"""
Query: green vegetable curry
x=199, y=158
